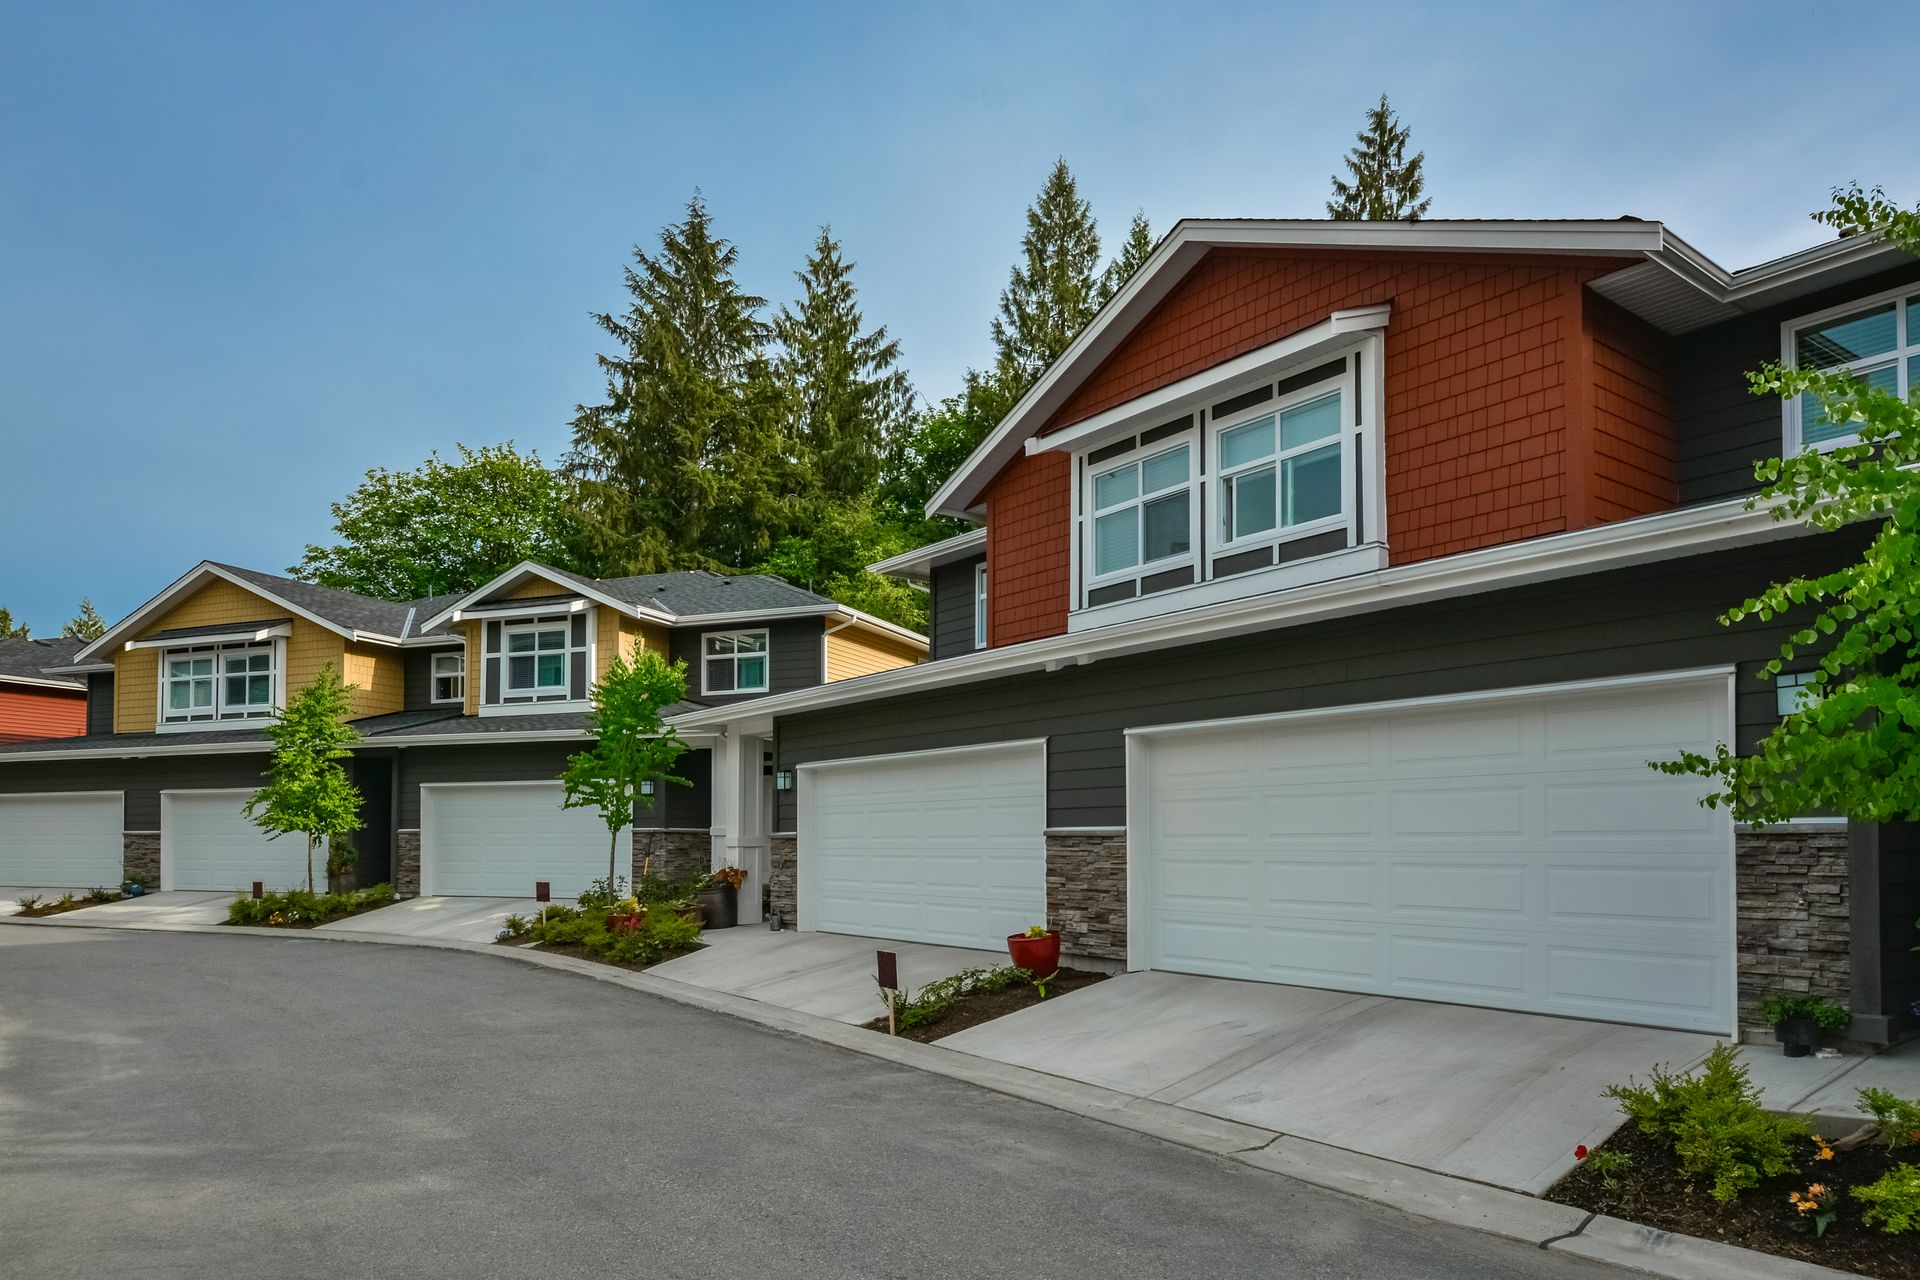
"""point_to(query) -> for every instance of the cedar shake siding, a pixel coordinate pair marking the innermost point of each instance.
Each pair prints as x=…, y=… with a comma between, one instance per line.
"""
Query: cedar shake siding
x=1517, y=404
x=1029, y=549
x=1657, y=617
x=28, y=713
x=1722, y=429
x=950, y=610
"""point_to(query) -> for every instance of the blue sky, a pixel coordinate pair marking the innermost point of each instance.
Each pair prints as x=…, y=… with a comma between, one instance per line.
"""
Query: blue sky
x=249, y=251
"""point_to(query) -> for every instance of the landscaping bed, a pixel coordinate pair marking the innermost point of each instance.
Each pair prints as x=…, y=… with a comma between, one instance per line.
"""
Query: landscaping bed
x=1699, y=1157
x=299, y=909
x=36, y=907
x=656, y=923
x=977, y=996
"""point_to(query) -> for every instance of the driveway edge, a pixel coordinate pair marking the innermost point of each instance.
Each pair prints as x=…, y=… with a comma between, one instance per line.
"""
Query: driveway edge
x=1422, y=1193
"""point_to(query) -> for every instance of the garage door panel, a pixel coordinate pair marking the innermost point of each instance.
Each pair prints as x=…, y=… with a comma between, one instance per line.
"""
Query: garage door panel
x=61, y=841
x=209, y=843
x=1465, y=847
x=947, y=848
x=497, y=840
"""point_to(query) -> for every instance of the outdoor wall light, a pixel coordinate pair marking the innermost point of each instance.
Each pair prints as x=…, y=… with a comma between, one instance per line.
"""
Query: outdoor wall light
x=783, y=780
x=646, y=786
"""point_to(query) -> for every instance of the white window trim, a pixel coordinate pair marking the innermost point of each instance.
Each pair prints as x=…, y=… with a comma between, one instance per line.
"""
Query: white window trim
x=279, y=673
x=734, y=658
x=1363, y=496
x=1906, y=348
x=434, y=677
x=1222, y=543
x=980, y=605
x=509, y=695
x=1137, y=459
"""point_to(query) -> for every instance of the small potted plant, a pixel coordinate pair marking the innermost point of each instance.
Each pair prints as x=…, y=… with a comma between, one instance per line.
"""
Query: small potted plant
x=1037, y=950
x=1798, y=1022
x=720, y=898
x=626, y=916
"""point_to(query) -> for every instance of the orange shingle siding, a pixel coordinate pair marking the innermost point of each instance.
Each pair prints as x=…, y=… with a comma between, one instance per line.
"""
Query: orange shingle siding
x=1517, y=404
x=28, y=714
x=1029, y=520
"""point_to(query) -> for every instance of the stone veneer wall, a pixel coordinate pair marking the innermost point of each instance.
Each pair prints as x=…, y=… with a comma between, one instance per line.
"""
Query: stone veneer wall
x=1793, y=923
x=783, y=858
x=406, y=864
x=673, y=855
x=140, y=858
x=1087, y=892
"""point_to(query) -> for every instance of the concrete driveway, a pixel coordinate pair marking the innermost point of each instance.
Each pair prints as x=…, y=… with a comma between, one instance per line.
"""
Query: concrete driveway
x=187, y=906
x=177, y=1106
x=459, y=919
x=1497, y=1097
x=825, y=974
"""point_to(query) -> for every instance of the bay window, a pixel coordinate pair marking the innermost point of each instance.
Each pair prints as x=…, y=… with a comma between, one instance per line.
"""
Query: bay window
x=733, y=662
x=1876, y=340
x=217, y=683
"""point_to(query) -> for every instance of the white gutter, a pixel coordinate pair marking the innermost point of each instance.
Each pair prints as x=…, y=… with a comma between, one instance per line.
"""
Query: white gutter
x=924, y=559
x=71, y=686
x=262, y=747
x=1621, y=544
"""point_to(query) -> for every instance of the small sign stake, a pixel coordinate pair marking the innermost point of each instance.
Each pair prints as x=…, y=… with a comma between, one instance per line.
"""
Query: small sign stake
x=542, y=891
x=887, y=973
x=259, y=890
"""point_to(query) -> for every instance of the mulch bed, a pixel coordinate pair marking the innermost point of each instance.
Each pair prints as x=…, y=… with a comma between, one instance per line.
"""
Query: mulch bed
x=54, y=907
x=1656, y=1194
x=972, y=1010
x=314, y=924
x=579, y=952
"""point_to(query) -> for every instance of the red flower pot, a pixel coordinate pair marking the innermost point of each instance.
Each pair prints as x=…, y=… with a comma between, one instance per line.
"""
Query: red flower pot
x=625, y=924
x=1038, y=956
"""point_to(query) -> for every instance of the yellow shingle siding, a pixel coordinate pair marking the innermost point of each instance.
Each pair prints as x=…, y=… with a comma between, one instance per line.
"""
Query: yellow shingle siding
x=380, y=676
x=616, y=633
x=136, y=680
x=476, y=665
x=856, y=651
x=534, y=588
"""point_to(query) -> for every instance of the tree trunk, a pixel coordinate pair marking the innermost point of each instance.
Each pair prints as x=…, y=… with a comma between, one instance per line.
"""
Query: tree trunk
x=309, y=862
x=613, y=858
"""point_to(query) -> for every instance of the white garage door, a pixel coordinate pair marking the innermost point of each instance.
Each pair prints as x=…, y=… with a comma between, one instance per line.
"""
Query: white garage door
x=495, y=840
x=208, y=842
x=938, y=846
x=1515, y=852
x=69, y=841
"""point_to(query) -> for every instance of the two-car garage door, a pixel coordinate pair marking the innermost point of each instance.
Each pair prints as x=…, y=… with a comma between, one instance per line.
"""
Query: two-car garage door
x=1512, y=851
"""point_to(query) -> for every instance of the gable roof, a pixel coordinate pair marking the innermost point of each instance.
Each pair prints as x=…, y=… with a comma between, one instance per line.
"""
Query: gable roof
x=1669, y=284
x=26, y=661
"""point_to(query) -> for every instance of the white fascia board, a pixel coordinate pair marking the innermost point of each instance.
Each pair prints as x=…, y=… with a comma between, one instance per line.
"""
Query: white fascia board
x=918, y=562
x=892, y=630
x=109, y=641
x=79, y=668
x=1338, y=329
x=531, y=568
x=41, y=682
x=1623, y=544
x=742, y=616
x=218, y=637
x=441, y=640
x=515, y=609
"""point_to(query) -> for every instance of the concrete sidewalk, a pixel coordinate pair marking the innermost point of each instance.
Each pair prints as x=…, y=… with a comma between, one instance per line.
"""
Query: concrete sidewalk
x=459, y=919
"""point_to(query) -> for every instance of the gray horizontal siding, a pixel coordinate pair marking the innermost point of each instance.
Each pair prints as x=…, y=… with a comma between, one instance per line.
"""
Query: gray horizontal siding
x=1722, y=429
x=141, y=780
x=99, y=703
x=1659, y=617
x=679, y=807
x=419, y=678
x=483, y=762
x=794, y=661
x=950, y=612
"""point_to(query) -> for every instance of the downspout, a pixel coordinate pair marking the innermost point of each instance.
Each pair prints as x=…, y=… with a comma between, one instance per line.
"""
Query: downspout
x=823, y=646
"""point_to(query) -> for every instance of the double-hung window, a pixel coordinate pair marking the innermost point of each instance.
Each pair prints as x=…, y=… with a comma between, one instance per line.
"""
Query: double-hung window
x=1142, y=513
x=218, y=682
x=1877, y=341
x=536, y=658
x=733, y=662
x=449, y=677
x=1280, y=474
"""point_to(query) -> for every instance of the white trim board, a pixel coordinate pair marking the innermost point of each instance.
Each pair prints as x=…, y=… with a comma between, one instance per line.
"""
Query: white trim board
x=892, y=757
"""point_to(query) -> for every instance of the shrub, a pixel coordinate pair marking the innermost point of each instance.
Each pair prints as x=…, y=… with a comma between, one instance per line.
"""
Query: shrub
x=668, y=891
x=936, y=998
x=1824, y=1014
x=299, y=908
x=1898, y=1117
x=602, y=893
x=1715, y=1123
x=664, y=934
x=1893, y=1203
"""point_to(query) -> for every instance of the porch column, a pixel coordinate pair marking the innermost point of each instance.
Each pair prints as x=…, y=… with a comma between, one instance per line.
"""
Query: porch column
x=740, y=815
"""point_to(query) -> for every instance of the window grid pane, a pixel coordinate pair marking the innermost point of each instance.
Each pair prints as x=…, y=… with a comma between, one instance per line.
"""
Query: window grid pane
x=1164, y=470
x=1848, y=338
x=1246, y=444
x=1315, y=420
x=1116, y=541
x=752, y=673
x=1166, y=530
x=1313, y=485
x=1115, y=487
x=1252, y=506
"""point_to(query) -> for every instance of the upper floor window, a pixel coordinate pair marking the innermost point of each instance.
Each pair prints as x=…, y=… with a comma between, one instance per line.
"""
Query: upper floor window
x=733, y=662
x=1143, y=513
x=980, y=605
x=1878, y=341
x=449, y=677
x=219, y=683
x=1281, y=472
x=537, y=658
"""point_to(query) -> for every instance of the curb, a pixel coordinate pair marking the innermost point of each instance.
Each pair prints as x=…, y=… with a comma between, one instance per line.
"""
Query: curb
x=1422, y=1193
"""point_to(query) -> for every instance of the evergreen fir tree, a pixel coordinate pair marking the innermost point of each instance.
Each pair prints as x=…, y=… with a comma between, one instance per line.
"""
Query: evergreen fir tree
x=683, y=466
x=1386, y=185
x=10, y=632
x=848, y=402
x=87, y=624
x=1134, y=252
x=1053, y=291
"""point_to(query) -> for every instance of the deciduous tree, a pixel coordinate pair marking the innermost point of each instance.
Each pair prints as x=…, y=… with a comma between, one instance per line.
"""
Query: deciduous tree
x=307, y=791
x=631, y=744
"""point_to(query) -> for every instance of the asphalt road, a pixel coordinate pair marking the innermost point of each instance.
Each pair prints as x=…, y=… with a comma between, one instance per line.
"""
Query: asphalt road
x=193, y=1106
